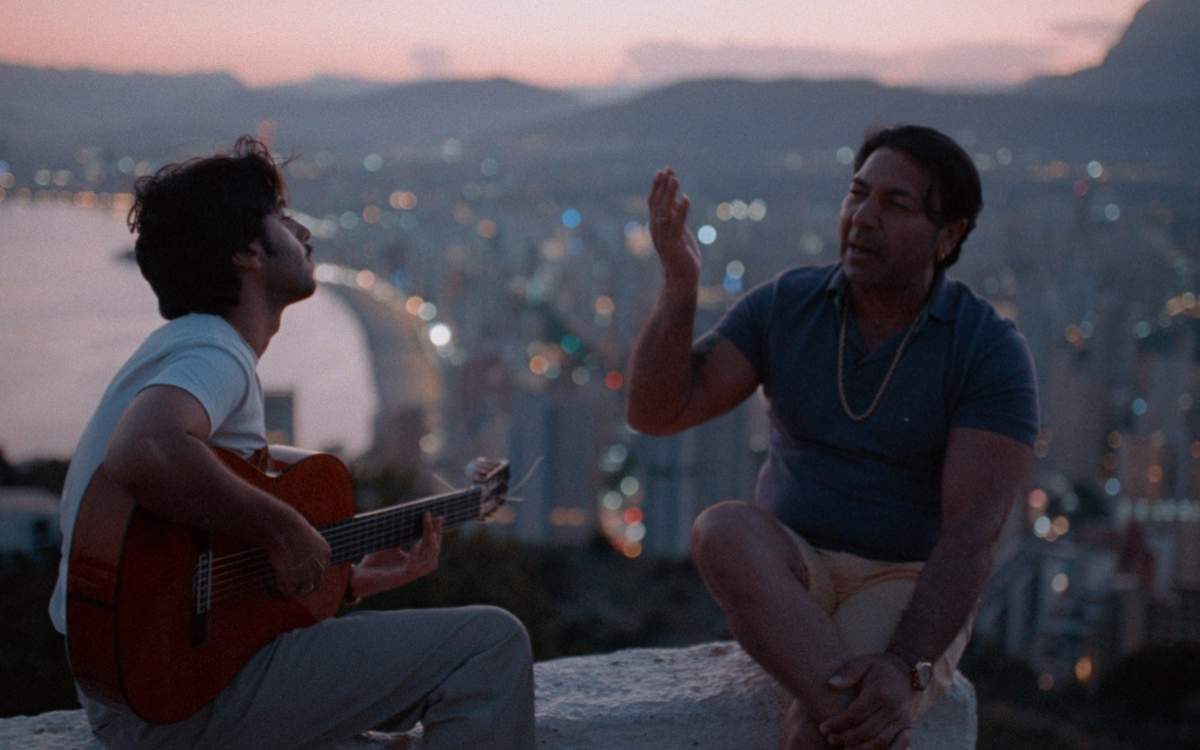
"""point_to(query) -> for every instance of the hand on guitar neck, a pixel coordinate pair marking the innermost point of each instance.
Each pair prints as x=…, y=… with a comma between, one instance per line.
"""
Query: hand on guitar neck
x=393, y=567
x=299, y=555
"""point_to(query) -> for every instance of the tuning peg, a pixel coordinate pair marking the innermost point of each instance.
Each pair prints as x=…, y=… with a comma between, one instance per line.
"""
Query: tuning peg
x=478, y=469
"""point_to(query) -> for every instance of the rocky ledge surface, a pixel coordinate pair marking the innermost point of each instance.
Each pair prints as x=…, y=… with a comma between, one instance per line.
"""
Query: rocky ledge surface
x=707, y=697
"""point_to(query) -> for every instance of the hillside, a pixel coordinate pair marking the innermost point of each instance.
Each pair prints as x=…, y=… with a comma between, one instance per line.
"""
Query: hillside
x=1156, y=60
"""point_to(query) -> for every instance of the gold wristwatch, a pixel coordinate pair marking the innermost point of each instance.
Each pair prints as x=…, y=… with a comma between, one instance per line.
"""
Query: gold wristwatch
x=920, y=671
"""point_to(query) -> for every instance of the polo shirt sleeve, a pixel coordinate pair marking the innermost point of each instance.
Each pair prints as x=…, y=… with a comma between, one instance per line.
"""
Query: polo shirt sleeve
x=1000, y=392
x=213, y=375
x=745, y=325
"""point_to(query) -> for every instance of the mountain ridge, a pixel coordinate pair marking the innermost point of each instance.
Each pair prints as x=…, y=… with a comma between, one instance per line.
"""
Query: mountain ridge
x=46, y=115
x=1156, y=59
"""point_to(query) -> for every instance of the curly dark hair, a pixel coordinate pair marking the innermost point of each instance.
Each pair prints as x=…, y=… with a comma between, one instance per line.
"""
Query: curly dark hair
x=954, y=189
x=192, y=217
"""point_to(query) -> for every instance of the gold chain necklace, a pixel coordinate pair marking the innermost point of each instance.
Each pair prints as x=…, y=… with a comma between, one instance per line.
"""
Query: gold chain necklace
x=886, y=378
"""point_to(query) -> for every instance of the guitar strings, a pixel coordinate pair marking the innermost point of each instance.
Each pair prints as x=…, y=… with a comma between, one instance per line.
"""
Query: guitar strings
x=258, y=572
x=344, y=540
x=231, y=572
x=240, y=570
x=367, y=529
x=344, y=530
x=348, y=526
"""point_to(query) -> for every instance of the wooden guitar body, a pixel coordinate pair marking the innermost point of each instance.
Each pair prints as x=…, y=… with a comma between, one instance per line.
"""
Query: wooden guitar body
x=136, y=638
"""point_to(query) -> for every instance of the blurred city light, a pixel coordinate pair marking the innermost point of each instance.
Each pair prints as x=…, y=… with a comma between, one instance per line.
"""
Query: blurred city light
x=402, y=200
x=440, y=334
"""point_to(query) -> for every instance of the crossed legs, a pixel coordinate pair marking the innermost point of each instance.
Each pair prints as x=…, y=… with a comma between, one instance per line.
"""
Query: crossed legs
x=757, y=575
x=801, y=612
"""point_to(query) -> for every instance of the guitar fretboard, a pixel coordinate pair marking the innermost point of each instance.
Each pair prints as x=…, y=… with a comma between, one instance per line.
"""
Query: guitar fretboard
x=351, y=538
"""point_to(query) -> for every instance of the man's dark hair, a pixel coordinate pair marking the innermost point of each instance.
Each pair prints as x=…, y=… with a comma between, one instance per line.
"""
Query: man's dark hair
x=192, y=217
x=954, y=189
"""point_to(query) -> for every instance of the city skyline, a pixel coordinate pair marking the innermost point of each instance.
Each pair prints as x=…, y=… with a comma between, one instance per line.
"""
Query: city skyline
x=986, y=44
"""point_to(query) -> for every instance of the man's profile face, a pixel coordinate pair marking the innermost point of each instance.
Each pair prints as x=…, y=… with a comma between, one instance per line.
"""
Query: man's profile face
x=289, y=258
x=886, y=240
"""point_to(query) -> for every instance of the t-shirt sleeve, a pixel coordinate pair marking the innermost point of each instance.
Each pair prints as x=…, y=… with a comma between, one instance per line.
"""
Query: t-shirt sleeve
x=745, y=325
x=216, y=377
x=1000, y=394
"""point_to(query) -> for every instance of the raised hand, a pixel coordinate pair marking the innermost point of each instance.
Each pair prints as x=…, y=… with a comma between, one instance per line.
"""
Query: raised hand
x=676, y=247
x=881, y=716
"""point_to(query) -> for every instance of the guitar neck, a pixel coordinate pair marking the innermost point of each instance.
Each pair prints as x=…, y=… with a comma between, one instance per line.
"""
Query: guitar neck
x=351, y=538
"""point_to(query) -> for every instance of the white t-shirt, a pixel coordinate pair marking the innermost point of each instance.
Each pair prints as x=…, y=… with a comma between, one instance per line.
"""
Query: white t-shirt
x=205, y=356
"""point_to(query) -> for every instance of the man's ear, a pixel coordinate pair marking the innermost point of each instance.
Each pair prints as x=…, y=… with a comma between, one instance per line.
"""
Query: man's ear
x=948, y=236
x=250, y=257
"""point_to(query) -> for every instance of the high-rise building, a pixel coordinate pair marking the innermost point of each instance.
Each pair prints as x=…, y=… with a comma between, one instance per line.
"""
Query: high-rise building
x=563, y=434
x=686, y=473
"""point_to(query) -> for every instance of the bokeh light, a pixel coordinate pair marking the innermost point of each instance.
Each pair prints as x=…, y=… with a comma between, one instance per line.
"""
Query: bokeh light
x=440, y=334
x=403, y=200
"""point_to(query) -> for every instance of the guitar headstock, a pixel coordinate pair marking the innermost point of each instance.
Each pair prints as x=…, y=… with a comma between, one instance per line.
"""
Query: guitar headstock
x=491, y=476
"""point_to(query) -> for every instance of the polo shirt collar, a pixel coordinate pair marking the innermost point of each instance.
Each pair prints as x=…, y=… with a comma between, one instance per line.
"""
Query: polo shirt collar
x=941, y=298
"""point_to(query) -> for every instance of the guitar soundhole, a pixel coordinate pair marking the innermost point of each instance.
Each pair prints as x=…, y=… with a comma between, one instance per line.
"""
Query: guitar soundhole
x=201, y=588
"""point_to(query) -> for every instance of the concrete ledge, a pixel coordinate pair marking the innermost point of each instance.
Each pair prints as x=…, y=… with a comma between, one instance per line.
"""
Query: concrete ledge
x=707, y=697
x=69, y=730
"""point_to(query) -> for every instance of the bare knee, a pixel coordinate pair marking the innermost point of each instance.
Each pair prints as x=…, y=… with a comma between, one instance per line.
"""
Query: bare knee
x=732, y=538
x=717, y=531
x=735, y=532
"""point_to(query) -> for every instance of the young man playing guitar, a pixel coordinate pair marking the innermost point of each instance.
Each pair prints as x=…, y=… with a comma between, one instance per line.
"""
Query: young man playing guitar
x=224, y=261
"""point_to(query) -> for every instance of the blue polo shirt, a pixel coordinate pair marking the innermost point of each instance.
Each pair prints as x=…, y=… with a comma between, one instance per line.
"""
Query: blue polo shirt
x=873, y=488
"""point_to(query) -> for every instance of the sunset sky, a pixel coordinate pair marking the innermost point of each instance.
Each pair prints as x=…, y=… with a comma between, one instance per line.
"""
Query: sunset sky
x=569, y=42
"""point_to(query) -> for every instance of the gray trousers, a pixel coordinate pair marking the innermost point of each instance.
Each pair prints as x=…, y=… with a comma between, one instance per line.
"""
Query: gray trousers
x=465, y=673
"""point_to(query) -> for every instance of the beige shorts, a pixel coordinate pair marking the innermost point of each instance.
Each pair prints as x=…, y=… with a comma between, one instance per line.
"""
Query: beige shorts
x=866, y=598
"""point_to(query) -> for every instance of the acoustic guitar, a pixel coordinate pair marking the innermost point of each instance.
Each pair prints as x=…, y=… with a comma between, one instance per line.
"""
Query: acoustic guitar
x=160, y=617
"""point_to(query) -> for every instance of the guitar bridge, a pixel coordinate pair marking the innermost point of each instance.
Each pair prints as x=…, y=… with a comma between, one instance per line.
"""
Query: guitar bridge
x=202, y=583
x=201, y=589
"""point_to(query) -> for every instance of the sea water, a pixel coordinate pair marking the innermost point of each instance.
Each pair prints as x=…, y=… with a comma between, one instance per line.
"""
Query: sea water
x=72, y=309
